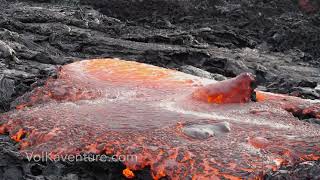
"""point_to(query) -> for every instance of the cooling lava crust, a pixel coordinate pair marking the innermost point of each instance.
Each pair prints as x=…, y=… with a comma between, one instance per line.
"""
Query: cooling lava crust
x=177, y=124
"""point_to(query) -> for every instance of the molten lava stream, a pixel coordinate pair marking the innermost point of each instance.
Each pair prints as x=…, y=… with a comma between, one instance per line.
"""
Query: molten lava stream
x=177, y=124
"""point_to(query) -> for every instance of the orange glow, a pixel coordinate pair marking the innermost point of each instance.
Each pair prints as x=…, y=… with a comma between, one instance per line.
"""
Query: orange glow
x=235, y=90
x=19, y=135
x=218, y=99
x=311, y=157
x=119, y=71
x=128, y=173
x=121, y=107
x=279, y=161
x=137, y=70
x=260, y=96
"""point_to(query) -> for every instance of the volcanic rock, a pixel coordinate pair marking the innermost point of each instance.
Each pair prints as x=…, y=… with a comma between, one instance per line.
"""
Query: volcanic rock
x=7, y=52
x=205, y=131
x=308, y=93
x=305, y=170
x=7, y=87
x=276, y=41
x=201, y=73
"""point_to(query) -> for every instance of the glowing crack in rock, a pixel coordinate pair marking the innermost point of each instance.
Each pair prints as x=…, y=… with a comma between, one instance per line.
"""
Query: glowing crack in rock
x=120, y=107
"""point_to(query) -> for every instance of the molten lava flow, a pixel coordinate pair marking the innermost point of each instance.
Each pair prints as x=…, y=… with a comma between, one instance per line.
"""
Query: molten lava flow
x=179, y=125
x=128, y=173
x=19, y=135
x=294, y=105
x=236, y=90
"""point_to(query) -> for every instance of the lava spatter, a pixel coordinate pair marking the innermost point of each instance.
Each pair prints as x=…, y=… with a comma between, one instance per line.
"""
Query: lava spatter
x=127, y=108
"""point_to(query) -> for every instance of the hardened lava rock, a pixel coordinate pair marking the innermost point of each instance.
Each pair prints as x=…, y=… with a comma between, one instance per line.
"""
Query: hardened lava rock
x=304, y=170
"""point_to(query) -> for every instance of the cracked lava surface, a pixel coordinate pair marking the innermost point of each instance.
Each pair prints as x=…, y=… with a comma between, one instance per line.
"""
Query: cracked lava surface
x=177, y=124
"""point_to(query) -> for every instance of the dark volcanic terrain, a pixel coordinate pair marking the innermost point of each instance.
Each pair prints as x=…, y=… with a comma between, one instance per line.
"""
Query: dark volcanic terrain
x=278, y=41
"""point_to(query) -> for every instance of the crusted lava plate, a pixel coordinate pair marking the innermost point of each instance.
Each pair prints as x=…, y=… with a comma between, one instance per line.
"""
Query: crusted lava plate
x=177, y=124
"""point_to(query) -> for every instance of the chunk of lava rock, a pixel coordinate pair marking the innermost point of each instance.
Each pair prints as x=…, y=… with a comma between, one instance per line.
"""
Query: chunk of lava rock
x=120, y=107
x=205, y=131
x=7, y=52
x=201, y=73
x=236, y=90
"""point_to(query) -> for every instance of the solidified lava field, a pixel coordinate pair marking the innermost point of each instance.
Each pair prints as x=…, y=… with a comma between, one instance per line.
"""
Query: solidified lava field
x=53, y=101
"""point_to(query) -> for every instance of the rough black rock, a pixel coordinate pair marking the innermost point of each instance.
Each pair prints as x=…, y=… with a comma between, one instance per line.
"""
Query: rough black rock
x=225, y=38
x=14, y=166
x=305, y=170
x=278, y=41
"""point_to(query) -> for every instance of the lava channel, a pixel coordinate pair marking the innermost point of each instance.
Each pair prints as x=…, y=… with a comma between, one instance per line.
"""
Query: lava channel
x=179, y=125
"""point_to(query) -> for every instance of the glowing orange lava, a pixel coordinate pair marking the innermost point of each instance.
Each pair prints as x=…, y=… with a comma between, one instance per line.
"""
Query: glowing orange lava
x=18, y=136
x=179, y=125
x=235, y=90
x=128, y=173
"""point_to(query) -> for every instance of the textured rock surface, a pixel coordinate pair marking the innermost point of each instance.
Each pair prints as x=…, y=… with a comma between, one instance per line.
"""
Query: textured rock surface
x=279, y=47
x=276, y=41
